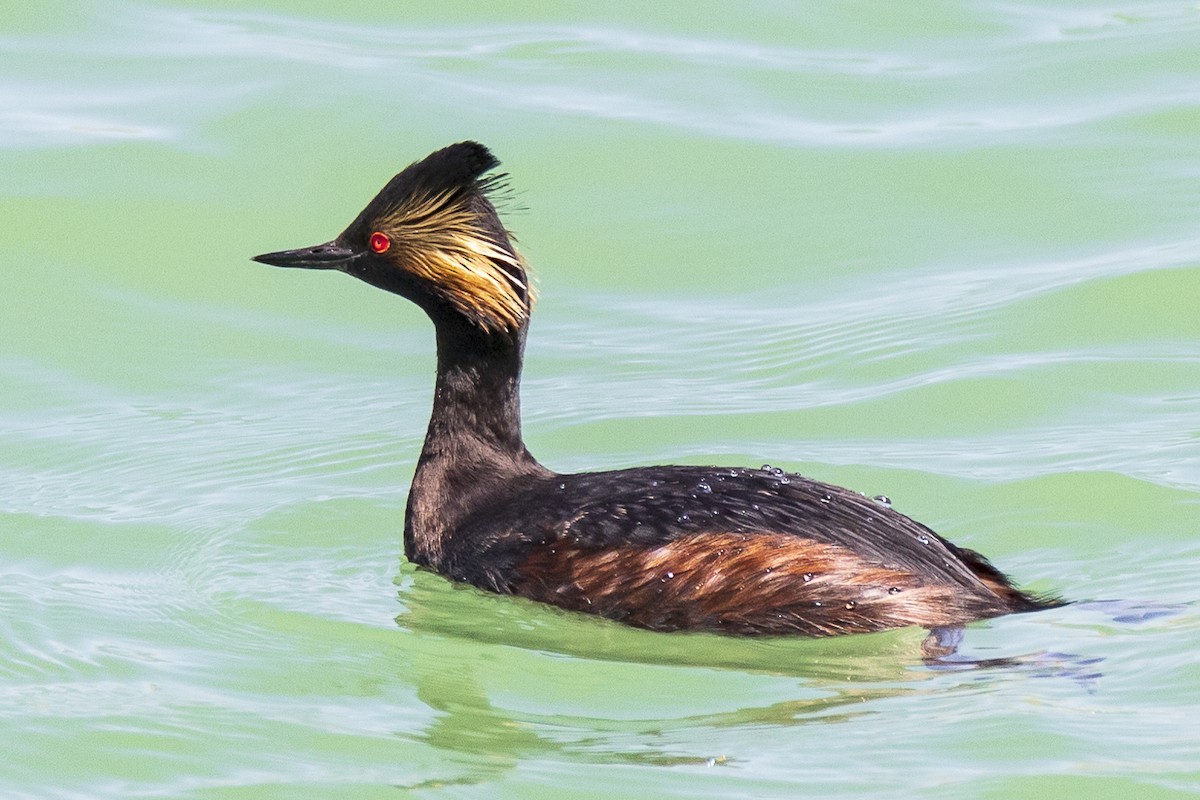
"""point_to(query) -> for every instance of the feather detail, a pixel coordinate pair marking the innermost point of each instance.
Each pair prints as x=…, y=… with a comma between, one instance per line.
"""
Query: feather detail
x=440, y=239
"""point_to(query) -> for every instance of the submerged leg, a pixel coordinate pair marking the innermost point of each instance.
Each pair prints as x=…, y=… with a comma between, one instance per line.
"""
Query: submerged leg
x=941, y=642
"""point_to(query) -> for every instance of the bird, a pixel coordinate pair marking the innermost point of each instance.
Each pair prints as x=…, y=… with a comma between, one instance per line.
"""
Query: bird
x=731, y=550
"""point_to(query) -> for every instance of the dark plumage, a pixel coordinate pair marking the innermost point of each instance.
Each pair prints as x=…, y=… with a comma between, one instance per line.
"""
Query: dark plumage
x=744, y=551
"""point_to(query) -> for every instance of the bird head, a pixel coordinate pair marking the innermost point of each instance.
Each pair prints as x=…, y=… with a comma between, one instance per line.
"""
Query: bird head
x=432, y=235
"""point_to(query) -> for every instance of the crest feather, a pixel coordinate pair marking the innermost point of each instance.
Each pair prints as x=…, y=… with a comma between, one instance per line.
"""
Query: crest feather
x=439, y=215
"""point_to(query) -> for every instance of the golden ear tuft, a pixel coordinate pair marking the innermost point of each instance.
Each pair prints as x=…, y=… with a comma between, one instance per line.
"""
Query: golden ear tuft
x=443, y=239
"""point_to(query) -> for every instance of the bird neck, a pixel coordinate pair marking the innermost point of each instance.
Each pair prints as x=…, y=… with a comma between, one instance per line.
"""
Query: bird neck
x=477, y=398
x=473, y=447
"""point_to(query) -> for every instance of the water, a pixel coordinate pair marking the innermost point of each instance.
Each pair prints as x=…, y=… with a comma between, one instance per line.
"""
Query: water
x=942, y=251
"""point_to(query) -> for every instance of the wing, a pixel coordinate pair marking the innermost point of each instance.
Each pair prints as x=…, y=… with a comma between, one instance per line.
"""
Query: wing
x=745, y=551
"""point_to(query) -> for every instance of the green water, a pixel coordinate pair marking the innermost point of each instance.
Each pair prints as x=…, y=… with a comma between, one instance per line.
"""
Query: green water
x=943, y=251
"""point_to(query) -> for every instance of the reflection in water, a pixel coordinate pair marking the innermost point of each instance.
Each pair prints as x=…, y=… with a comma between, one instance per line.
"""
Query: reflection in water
x=477, y=634
x=487, y=740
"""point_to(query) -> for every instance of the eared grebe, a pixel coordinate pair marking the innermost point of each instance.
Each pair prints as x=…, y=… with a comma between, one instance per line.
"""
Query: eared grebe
x=740, y=551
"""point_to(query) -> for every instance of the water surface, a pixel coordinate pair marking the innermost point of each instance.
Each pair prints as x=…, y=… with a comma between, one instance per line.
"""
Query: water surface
x=946, y=252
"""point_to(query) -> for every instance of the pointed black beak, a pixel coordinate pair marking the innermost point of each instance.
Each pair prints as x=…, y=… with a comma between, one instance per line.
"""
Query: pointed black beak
x=331, y=255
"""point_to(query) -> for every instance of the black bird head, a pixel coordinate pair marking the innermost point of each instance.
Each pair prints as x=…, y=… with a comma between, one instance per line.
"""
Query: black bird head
x=432, y=235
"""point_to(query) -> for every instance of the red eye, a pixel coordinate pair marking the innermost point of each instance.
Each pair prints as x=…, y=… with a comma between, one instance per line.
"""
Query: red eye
x=380, y=242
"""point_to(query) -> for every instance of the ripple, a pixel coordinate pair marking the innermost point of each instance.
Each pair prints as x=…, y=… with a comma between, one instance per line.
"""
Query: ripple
x=955, y=267
x=730, y=88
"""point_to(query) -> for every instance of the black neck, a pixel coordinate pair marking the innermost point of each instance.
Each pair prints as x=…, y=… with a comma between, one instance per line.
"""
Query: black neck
x=473, y=447
x=478, y=395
